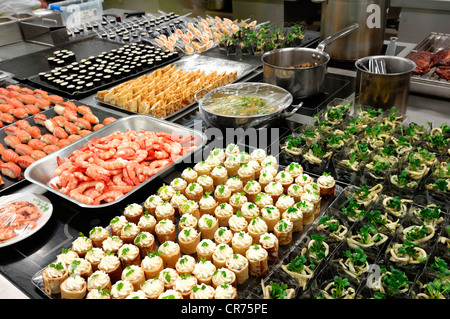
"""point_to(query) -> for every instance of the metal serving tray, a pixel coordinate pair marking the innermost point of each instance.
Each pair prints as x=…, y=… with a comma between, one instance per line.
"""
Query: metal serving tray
x=430, y=83
x=42, y=171
x=203, y=63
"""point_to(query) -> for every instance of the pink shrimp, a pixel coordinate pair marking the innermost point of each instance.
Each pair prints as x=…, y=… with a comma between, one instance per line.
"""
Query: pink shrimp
x=81, y=198
x=98, y=173
x=108, y=196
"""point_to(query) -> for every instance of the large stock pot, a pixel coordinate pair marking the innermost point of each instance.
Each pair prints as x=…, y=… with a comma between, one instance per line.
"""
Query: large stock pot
x=371, y=15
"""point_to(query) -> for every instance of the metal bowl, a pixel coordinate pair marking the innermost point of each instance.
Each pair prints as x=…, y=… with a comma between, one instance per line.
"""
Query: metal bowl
x=272, y=94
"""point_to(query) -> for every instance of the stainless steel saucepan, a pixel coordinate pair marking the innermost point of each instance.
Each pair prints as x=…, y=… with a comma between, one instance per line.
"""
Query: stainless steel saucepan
x=271, y=94
x=301, y=71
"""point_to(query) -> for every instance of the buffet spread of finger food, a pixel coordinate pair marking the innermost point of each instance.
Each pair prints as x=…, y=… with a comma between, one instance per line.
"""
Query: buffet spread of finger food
x=355, y=206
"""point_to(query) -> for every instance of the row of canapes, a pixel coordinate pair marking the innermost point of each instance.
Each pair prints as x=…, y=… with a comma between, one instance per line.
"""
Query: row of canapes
x=234, y=209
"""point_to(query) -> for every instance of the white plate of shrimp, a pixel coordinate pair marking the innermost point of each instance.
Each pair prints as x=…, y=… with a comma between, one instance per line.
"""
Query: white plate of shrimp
x=22, y=215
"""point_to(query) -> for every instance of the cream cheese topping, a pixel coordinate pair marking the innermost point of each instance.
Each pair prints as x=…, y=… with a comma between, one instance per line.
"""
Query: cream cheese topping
x=237, y=262
x=99, y=278
x=256, y=253
x=133, y=210
x=165, y=226
x=112, y=243
x=241, y=239
x=222, y=252
x=204, y=269
x=121, y=289
x=109, y=263
x=169, y=248
x=206, y=246
x=128, y=251
x=74, y=283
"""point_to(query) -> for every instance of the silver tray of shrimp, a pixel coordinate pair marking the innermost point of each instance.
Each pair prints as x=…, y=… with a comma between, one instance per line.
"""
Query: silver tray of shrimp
x=106, y=166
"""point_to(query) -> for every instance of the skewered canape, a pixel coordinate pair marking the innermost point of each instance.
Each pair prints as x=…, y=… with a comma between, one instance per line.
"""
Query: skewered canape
x=164, y=210
x=223, y=212
x=81, y=245
x=151, y=202
x=237, y=223
x=185, y=265
x=221, y=254
x=112, y=244
x=238, y=264
x=205, y=249
x=99, y=279
x=133, y=212
x=153, y=288
x=270, y=243
x=257, y=258
x=74, y=287
x=208, y=224
x=152, y=264
x=187, y=220
x=207, y=183
x=170, y=253
x=135, y=275
x=223, y=275
x=188, y=240
x=165, y=231
x=145, y=241
x=283, y=231
x=223, y=235
x=129, y=255
x=129, y=232
x=202, y=291
x=53, y=276
x=93, y=256
x=97, y=235
x=121, y=289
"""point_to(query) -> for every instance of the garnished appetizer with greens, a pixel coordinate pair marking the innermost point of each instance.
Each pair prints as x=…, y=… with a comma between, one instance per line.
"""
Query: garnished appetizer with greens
x=338, y=288
x=300, y=268
x=276, y=290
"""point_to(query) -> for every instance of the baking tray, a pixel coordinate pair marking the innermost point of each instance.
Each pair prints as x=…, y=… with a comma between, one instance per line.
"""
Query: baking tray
x=430, y=83
x=100, y=113
x=42, y=171
x=204, y=63
x=35, y=79
x=283, y=250
x=31, y=64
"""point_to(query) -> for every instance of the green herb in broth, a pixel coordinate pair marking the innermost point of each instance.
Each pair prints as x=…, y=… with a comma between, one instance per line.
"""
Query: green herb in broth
x=241, y=106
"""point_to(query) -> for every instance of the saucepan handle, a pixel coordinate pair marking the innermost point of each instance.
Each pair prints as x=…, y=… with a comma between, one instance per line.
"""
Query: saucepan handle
x=293, y=111
x=195, y=96
x=337, y=35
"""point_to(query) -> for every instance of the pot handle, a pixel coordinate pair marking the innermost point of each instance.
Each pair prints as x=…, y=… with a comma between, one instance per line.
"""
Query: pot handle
x=294, y=110
x=202, y=90
x=337, y=35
